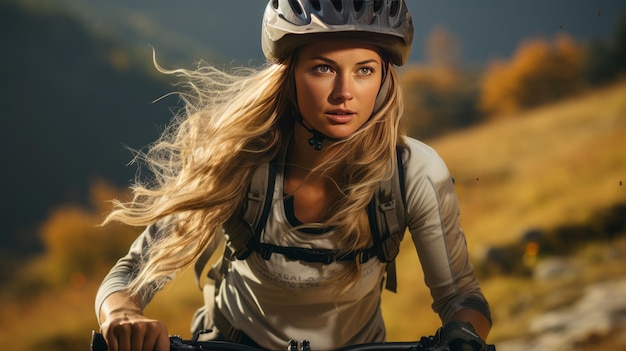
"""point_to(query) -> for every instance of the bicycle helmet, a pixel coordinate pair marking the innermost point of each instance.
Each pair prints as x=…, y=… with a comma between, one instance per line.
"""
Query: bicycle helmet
x=289, y=24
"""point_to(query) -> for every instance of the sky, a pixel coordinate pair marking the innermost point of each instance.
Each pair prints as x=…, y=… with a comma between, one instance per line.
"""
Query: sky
x=485, y=28
x=491, y=28
x=230, y=30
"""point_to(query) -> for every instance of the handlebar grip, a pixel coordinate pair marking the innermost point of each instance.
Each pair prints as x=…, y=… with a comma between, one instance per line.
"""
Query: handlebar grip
x=97, y=342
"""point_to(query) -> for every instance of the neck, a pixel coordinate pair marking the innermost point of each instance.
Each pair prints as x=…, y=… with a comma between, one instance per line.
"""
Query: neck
x=302, y=154
x=301, y=161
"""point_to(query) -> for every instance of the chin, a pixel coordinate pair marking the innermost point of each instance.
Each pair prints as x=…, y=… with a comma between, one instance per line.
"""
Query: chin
x=339, y=133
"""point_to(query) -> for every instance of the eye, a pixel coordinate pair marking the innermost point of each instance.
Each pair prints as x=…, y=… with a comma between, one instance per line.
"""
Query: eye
x=322, y=69
x=365, y=71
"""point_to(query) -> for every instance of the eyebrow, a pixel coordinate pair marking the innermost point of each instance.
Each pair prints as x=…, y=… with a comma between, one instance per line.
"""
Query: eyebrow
x=326, y=59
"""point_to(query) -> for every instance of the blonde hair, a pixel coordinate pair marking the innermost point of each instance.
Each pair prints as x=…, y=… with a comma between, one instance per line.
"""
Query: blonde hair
x=202, y=164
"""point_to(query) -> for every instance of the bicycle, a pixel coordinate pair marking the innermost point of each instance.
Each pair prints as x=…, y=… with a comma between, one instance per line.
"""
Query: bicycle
x=177, y=343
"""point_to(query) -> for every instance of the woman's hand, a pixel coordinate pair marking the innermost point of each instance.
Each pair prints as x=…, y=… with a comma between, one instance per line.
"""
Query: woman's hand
x=125, y=328
x=467, y=331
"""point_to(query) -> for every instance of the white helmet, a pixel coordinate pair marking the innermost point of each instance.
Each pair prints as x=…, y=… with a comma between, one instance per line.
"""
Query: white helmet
x=289, y=24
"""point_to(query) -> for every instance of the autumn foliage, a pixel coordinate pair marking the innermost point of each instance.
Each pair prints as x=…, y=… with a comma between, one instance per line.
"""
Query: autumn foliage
x=77, y=248
x=439, y=96
x=540, y=72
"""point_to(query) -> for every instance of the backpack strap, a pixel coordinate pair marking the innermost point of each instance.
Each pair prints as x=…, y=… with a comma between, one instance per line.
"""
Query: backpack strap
x=387, y=213
x=243, y=230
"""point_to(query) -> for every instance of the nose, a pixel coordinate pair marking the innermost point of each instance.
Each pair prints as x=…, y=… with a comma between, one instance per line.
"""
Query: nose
x=342, y=91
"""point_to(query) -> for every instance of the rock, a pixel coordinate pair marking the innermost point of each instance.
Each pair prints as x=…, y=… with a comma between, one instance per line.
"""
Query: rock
x=600, y=311
x=555, y=267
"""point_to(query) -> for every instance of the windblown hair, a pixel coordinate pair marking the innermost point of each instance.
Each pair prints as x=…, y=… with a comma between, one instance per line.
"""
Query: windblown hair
x=202, y=164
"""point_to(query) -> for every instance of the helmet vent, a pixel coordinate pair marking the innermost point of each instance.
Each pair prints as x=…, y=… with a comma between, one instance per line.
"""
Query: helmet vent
x=275, y=4
x=316, y=5
x=295, y=6
x=395, y=8
x=338, y=5
x=378, y=5
x=358, y=5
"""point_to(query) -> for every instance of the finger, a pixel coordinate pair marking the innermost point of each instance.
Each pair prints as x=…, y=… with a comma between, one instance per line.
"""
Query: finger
x=111, y=339
x=154, y=332
x=137, y=338
x=123, y=337
x=162, y=342
x=112, y=344
x=149, y=342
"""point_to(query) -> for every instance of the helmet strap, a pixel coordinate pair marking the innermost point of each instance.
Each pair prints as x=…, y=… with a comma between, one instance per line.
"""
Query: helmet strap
x=384, y=88
x=318, y=137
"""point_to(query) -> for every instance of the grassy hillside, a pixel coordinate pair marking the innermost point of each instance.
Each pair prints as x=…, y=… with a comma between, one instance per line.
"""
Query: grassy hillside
x=71, y=102
x=548, y=167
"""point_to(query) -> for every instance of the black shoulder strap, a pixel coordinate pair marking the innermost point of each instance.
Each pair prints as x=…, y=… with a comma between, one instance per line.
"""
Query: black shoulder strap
x=388, y=219
x=243, y=230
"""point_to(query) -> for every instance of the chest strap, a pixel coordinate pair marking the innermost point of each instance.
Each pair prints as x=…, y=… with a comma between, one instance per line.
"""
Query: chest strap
x=386, y=213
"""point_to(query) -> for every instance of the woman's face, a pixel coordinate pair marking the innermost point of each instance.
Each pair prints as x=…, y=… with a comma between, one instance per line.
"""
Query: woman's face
x=337, y=83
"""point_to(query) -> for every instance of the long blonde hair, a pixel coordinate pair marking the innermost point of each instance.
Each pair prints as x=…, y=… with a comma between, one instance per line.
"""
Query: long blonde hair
x=202, y=164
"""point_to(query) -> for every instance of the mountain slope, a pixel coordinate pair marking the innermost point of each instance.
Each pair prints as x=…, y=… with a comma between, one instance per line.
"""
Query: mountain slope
x=546, y=167
x=552, y=167
x=70, y=103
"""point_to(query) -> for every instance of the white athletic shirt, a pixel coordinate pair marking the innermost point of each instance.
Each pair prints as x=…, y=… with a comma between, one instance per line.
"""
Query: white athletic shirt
x=276, y=300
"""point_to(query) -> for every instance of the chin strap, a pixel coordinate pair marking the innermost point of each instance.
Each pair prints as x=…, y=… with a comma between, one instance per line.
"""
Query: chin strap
x=316, y=140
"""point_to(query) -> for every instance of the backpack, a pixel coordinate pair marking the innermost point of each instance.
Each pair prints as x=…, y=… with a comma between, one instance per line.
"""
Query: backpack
x=386, y=212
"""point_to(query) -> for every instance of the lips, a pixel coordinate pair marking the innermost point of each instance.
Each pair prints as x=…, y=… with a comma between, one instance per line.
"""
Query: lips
x=340, y=115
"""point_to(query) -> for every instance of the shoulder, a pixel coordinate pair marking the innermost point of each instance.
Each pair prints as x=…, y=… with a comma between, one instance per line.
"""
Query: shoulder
x=429, y=187
x=422, y=161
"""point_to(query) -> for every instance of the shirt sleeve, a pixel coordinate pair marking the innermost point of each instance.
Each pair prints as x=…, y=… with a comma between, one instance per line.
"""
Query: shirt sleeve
x=433, y=218
x=123, y=272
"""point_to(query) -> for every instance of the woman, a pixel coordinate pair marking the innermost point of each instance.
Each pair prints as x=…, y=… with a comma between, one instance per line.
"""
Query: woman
x=325, y=110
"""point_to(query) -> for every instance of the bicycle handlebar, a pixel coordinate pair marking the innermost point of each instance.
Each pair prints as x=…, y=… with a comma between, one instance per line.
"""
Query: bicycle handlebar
x=98, y=343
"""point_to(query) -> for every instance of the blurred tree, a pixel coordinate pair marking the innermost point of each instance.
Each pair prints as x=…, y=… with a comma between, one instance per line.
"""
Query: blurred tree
x=605, y=60
x=76, y=244
x=443, y=48
x=539, y=72
x=76, y=247
x=438, y=96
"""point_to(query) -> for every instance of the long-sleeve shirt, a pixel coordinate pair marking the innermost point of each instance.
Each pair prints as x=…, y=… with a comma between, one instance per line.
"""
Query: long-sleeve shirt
x=277, y=300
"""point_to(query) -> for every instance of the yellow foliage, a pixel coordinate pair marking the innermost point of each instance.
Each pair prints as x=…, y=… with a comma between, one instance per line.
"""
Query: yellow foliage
x=539, y=72
x=431, y=95
x=76, y=245
x=437, y=95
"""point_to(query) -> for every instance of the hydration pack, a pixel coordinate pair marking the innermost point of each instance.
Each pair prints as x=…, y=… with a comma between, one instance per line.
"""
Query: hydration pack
x=386, y=212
